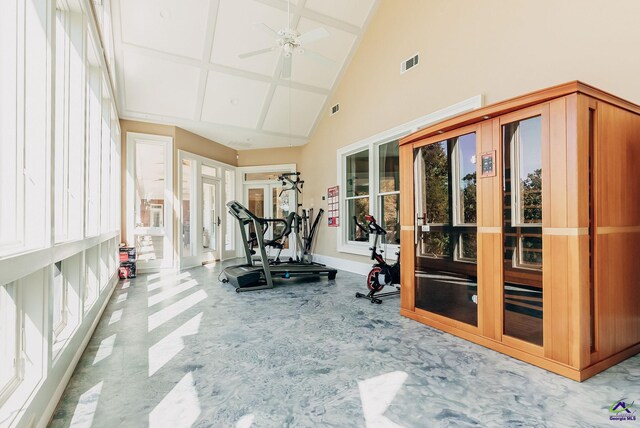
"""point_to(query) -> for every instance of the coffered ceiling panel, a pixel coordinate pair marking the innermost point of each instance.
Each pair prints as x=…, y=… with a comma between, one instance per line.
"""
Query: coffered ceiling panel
x=233, y=100
x=177, y=27
x=293, y=111
x=178, y=62
x=158, y=87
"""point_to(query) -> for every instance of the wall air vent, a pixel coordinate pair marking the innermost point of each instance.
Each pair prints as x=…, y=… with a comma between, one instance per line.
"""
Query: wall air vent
x=409, y=64
x=335, y=109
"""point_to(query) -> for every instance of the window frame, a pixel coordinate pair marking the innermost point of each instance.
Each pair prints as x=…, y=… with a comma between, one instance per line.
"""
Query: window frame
x=360, y=248
x=14, y=381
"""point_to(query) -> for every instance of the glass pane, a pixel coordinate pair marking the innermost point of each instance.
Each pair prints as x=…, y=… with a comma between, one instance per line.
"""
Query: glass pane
x=281, y=207
x=445, y=275
x=229, y=231
x=9, y=154
x=256, y=205
x=436, y=197
x=60, y=149
x=149, y=208
x=58, y=293
x=466, y=164
x=468, y=247
x=149, y=247
x=358, y=174
x=523, y=290
x=209, y=171
x=186, y=207
x=8, y=329
x=357, y=207
x=262, y=176
x=92, y=278
x=388, y=167
x=390, y=218
x=209, y=217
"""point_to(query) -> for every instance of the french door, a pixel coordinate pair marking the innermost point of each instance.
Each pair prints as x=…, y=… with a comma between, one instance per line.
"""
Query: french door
x=211, y=220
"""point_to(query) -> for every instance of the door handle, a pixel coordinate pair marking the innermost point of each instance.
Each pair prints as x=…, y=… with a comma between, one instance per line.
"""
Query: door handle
x=219, y=221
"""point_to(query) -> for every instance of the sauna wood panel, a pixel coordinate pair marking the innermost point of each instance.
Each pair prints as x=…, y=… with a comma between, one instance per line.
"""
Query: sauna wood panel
x=489, y=189
x=407, y=233
x=490, y=284
x=557, y=177
x=618, y=173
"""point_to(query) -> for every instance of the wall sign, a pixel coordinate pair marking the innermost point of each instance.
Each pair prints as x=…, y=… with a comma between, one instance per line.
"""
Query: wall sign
x=333, y=200
x=488, y=164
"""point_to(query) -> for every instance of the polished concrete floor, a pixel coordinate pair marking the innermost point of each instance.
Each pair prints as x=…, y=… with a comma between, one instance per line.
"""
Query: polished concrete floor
x=185, y=350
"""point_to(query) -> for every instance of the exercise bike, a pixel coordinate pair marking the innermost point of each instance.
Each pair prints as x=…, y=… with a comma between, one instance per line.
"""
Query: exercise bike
x=381, y=274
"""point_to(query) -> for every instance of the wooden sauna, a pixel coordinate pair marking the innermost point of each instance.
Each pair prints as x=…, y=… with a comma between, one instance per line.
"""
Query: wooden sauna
x=520, y=228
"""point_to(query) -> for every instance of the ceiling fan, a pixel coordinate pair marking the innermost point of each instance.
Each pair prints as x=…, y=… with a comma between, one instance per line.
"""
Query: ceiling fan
x=290, y=41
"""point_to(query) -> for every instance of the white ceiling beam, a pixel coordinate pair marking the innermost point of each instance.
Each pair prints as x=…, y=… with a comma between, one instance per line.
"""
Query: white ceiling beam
x=206, y=57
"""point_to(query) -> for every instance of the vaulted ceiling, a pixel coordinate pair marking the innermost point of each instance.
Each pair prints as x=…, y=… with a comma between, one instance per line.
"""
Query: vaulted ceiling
x=177, y=62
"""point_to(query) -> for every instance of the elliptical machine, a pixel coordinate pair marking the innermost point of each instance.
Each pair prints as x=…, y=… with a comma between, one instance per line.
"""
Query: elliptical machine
x=382, y=273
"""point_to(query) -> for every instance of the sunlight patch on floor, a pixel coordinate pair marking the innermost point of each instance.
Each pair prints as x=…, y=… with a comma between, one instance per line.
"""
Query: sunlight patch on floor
x=86, y=408
x=115, y=316
x=376, y=394
x=105, y=349
x=179, y=408
x=168, y=347
x=175, y=309
x=173, y=291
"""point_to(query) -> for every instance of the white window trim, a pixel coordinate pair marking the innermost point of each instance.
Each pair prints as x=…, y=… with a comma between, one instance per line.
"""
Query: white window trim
x=7, y=390
x=372, y=143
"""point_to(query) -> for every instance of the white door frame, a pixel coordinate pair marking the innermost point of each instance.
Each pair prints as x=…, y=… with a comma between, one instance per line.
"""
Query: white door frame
x=166, y=142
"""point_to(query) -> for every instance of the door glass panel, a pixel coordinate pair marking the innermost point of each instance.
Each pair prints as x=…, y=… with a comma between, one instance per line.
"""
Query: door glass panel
x=281, y=207
x=390, y=218
x=523, y=291
x=186, y=208
x=149, y=203
x=446, y=245
x=256, y=204
x=229, y=193
x=209, y=217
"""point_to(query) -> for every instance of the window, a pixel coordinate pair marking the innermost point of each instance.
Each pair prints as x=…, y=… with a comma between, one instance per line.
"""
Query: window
x=23, y=127
x=357, y=193
x=209, y=171
x=92, y=278
x=9, y=339
x=389, y=191
x=94, y=104
x=59, y=297
x=61, y=149
x=464, y=196
x=105, y=160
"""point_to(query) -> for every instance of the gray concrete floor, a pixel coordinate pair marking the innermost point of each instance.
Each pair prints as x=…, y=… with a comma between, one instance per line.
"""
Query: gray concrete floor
x=185, y=350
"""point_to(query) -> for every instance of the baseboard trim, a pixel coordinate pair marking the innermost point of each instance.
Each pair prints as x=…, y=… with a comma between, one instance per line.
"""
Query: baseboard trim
x=49, y=411
x=343, y=264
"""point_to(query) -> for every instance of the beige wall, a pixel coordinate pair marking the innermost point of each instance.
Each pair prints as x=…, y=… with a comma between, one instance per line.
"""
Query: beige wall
x=282, y=155
x=192, y=143
x=497, y=48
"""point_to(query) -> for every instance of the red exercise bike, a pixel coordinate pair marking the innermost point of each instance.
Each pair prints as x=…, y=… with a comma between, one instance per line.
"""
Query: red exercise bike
x=381, y=274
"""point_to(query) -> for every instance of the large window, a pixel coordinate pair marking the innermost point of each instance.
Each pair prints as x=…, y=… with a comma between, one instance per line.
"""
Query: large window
x=23, y=127
x=59, y=297
x=371, y=183
x=9, y=339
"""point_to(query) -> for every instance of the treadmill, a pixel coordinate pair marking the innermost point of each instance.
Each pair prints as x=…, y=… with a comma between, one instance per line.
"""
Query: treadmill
x=259, y=276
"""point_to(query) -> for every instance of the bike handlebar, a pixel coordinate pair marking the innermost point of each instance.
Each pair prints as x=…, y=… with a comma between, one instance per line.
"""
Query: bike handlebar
x=374, y=228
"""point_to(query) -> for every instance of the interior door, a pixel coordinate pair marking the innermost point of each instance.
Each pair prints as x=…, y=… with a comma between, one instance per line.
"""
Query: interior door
x=211, y=220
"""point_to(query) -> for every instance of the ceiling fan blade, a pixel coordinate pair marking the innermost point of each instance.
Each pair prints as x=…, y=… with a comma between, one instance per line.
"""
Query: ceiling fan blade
x=318, y=57
x=258, y=52
x=313, y=35
x=266, y=29
x=286, y=68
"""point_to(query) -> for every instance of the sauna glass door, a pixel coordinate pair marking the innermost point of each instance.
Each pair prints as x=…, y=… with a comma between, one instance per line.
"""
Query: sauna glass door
x=522, y=289
x=446, y=232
